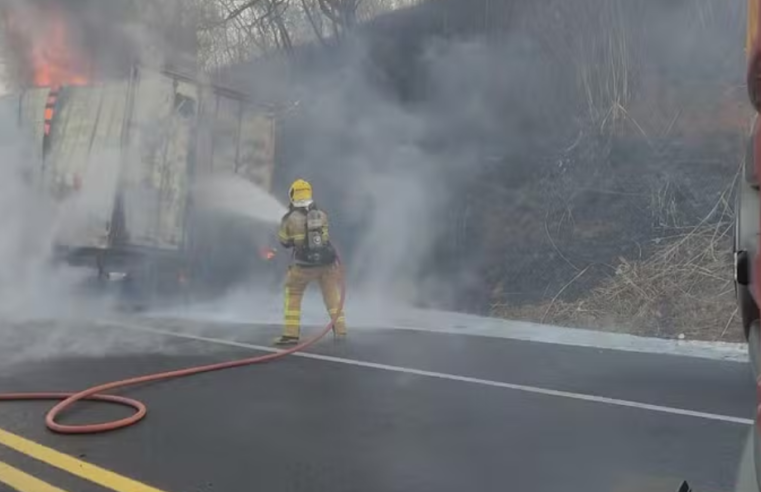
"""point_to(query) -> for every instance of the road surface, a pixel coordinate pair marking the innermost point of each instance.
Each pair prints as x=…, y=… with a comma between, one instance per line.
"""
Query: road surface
x=389, y=410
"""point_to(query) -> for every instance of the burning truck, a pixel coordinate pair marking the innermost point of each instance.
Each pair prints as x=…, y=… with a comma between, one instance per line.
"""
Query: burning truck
x=121, y=160
x=120, y=147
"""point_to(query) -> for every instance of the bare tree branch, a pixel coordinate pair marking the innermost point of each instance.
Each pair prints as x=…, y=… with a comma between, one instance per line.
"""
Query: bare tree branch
x=312, y=21
x=238, y=11
x=342, y=13
x=276, y=10
x=328, y=11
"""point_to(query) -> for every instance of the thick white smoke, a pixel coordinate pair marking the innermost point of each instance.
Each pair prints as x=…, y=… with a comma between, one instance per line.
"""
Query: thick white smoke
x=391, y=171
x=31, y=285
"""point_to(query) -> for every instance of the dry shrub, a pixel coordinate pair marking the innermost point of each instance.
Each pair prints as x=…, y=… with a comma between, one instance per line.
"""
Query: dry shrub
x=684, y=286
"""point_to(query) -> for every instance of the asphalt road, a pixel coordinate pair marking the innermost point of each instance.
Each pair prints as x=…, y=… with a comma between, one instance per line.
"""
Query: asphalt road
x=389, y=410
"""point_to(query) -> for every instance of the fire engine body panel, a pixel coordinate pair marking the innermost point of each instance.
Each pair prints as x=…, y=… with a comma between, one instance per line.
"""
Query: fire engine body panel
x=747, y=260
x=747, y=204
x=121, y=158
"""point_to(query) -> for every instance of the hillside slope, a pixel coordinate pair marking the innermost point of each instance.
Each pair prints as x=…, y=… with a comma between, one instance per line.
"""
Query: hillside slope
x=541, y=160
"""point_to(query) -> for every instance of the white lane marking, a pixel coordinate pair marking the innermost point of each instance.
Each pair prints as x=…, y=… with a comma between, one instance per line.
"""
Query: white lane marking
x=443, y=375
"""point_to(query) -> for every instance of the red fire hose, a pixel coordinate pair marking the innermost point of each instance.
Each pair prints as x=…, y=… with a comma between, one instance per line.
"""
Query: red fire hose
x=96, y=392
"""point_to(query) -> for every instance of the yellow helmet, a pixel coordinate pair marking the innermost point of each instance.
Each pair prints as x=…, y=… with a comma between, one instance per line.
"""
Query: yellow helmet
x=300, y=193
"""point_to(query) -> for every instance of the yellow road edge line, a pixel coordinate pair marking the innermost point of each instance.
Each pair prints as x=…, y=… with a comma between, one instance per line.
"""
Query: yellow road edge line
x=23, y=482
x=82, y=469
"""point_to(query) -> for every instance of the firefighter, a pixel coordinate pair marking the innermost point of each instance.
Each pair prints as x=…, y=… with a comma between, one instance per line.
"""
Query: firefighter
x=305, y=229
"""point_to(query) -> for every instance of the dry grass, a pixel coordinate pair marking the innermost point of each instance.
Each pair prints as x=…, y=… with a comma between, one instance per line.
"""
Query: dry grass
x=684, y=286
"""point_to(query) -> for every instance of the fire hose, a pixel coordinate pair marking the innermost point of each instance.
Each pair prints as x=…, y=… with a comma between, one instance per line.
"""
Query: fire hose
x=96, y=393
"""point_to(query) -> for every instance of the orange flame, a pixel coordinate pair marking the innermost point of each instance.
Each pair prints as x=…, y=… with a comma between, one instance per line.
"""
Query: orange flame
x=49, y=50
x=267, y=253
x=52, y=61
x=50, y=109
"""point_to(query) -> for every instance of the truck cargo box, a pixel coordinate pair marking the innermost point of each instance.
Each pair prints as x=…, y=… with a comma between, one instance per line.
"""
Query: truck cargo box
x=120, y=158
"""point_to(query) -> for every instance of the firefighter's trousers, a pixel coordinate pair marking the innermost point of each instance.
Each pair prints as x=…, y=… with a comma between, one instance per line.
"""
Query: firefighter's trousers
x=296, y=282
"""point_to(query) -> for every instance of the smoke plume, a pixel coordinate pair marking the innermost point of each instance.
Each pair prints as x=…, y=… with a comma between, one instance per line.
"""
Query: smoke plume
x=72, y=42
x=30, y=285
x=392, y=135
x=443, y=139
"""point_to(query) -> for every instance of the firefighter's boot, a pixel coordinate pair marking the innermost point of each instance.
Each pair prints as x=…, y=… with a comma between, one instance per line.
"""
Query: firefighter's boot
x=285, y=340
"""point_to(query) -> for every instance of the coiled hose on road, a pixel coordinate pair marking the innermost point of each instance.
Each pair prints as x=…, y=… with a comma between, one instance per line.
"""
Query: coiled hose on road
x=95, y=393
